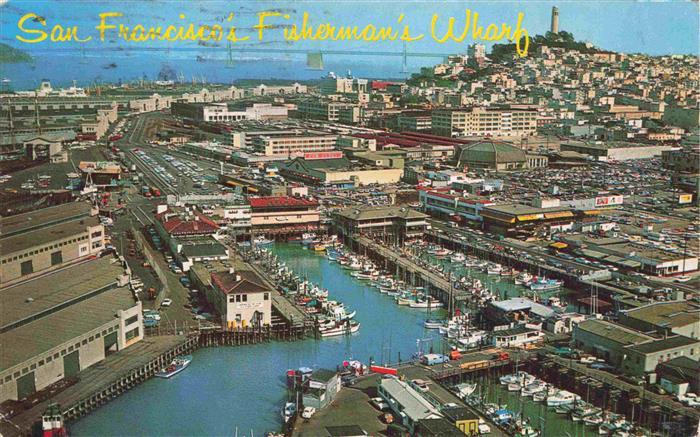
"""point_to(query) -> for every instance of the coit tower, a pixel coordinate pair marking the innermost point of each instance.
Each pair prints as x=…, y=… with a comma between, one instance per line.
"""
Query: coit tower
x=555, y=20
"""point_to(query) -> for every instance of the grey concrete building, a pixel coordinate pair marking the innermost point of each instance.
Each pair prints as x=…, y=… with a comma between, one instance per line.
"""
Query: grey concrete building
x=54, y=326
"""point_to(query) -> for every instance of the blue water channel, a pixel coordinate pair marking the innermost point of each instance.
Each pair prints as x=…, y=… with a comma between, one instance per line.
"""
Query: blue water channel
x=243, y=388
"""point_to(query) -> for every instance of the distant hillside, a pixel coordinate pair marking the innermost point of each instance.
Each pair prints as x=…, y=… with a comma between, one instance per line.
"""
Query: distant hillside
x=11, y=55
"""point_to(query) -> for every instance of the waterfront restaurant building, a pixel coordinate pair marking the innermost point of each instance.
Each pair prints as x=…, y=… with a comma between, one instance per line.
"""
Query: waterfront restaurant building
x=391, y=224
x=284, y=214
x=241, y=298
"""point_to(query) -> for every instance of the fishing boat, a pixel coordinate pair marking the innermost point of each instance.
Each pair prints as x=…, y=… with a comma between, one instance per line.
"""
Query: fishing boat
x=556, y=304
x=544, y=284
x=178, y=365
x=523, y=278
x=308, y=238
x=262, y=241
x=562, y=397
x=502, y=416
x=288, y=411
x=433, y=324
x=465, y=389
x=494, y=269
x=52, y=422
x=457, y=257
x=520, y=377
x=343, y=328
x=427, y=303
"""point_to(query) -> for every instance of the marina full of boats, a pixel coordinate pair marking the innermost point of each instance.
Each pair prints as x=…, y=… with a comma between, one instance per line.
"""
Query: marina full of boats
x=331, y=318
x=527, y=389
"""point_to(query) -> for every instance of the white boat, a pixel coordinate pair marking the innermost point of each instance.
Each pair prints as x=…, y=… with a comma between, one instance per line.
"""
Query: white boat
x=521, y=378
x=262, y=241
x=513, y=386
x=535, y=387
x=178, y=365
x=457, y=257
x=289, y=410
x=350, y=327
x=562, y=397
x=465, y=389
x=425, y=304
x=433, y=324
x=494, y=269
x=544, y=284
x=522, y=278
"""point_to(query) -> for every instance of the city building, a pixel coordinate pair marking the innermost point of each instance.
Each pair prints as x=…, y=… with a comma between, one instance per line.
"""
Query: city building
x=294, y=143
x=223, y=113
x=406, y=403
x=176, y=223
x=241, y=299
x=58, y=324
x=322, y=110
x=414, y=121
x=392, y=224
x=464, y=419
x=682, y=160
x=342, y=85
x=338, y=171
x=633, y=352
x=616, y=151
x=494, y=155
x=517, y=219
x=38, y=241
x=323, y=387
x=665, y=318
x=679, y=376
x=485, y=121
x=453, y=206
x=284, y=214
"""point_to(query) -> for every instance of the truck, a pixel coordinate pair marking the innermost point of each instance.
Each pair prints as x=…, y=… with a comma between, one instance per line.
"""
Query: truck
x=434, y=359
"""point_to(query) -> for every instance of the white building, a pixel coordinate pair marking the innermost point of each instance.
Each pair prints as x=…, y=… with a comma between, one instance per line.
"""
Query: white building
x=241, y=298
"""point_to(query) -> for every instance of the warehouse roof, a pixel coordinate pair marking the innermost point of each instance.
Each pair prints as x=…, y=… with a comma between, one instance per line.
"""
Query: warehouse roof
x=667, y=314
x=414, y=405
x=60, y=327
x=613, y=332
x=203, y=248
x=52, y=290
x=521, y=303
x=45, y=235
x=368, y=213
x=664, y=344
x=491, y=152
x=43, y=217
x=518, y=208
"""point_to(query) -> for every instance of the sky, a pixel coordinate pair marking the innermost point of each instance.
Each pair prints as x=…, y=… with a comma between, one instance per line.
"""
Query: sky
x=624, y=25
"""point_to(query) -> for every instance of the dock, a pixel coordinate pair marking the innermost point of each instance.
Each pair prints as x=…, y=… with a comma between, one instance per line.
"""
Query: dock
x=102, y=382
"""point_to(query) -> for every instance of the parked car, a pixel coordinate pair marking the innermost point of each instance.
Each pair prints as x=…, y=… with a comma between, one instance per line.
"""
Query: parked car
x=308, y=412
x=166, y=302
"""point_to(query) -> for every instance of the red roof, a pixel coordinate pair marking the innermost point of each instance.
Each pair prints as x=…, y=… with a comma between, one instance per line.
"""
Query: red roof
x=280, y=202
x=200, y=226
x=243, y=281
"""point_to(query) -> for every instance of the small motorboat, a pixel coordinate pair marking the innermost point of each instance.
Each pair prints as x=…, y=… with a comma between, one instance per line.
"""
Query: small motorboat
x=178, y=365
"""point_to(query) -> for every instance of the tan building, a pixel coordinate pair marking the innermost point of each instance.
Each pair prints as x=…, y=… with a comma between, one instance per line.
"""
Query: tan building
x=295, y=144
x=393, y=224
x=100, y=125
x=283, y=214
x=54, y=326
x=241, y=298
x=485, y=121
x=322, y=110
x=341, y=172
x=35, y=242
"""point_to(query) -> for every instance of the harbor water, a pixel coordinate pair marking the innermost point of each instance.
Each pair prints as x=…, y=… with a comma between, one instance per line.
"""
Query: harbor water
x=241, y=389
x=244, y=387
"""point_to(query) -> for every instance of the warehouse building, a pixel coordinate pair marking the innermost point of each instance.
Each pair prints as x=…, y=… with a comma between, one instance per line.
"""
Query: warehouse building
x=56, y=325
x=516, y=219
x=666, y=318
x=38, y=241
x=392, y=224
x=615, y=150
x=339, y=172
x=633, y=352
x=499, y=156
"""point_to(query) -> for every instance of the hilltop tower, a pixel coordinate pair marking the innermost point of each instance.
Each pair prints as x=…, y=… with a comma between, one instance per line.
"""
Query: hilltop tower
x=555, y=20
